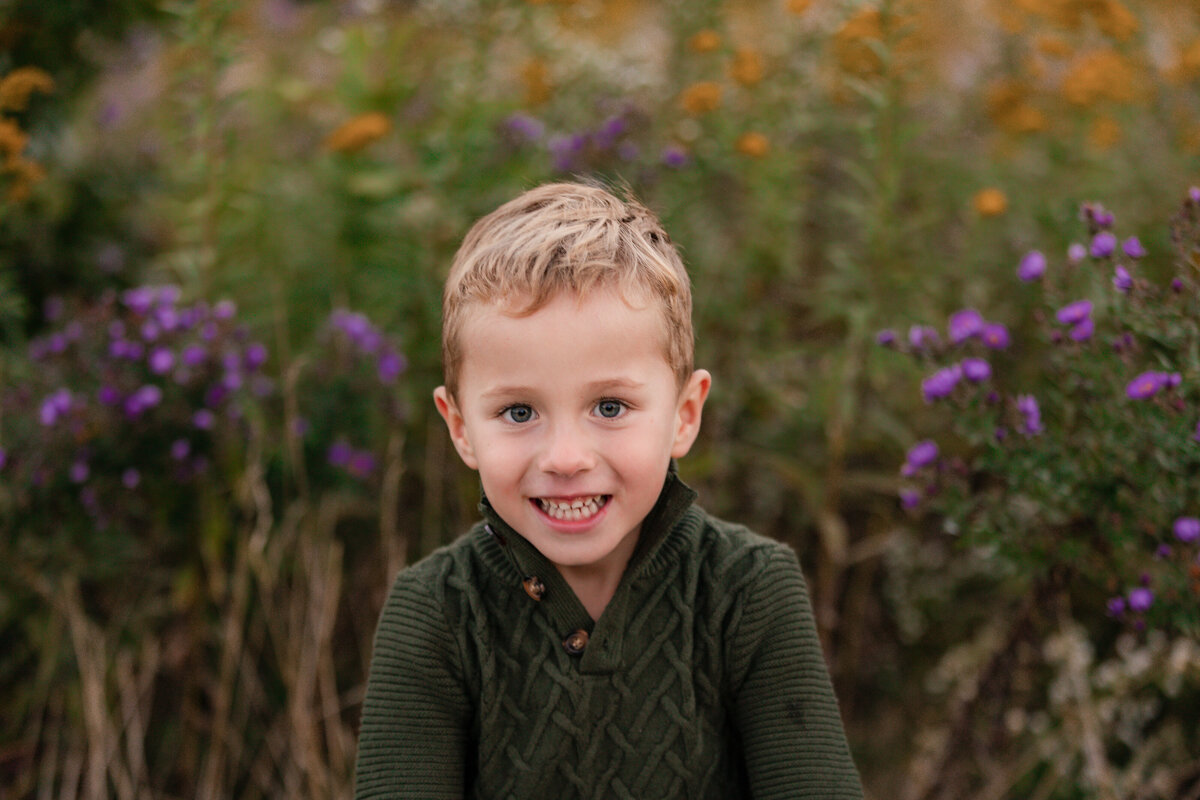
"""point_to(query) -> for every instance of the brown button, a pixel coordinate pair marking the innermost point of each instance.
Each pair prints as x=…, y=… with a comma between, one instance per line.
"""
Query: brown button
x=576, y=642
x=534, y=587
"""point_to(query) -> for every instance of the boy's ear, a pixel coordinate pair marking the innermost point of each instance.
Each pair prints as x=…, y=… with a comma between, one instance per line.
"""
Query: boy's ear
x=687, y=416
x=455, y=424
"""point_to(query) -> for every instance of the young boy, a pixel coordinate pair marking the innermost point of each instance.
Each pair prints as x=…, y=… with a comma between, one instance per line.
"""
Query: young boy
x=597, y=635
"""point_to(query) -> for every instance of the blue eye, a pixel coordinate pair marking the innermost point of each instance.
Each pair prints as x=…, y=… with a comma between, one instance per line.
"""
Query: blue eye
x=517, y=413
x=610, y=409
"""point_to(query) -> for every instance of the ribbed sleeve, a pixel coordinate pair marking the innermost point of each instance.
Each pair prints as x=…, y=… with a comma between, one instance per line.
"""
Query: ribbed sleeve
x=786, y=712
x=416, y=715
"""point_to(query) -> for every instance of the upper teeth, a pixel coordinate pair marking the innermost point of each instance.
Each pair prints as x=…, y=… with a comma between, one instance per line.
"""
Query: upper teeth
x=579, y=508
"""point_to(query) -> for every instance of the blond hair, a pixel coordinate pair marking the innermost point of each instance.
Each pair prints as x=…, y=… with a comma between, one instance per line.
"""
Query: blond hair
x=567, y=237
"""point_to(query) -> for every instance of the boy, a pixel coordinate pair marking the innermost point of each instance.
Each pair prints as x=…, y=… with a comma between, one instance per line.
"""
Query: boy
x=597, y=635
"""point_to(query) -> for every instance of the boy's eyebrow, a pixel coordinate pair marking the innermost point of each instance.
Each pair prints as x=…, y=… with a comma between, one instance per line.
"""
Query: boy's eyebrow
x=594, y=387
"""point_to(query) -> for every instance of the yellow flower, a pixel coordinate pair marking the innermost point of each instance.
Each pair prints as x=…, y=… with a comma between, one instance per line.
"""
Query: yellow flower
x=1114, y=19
x=536, y=77
x=798, y=6
x=1009, y=107
x=1189, y=61
x=705, y=41
x=701, y=98
x=1052, y=46
x=753, y=144
x=1099, y=75
x=16, y=86
x=1104, y=133
x=851, y=43
x=1063, y=13
x=355, y=134
x=25, y=174
x=746, y=67
x=990, y=202
x=12, y=140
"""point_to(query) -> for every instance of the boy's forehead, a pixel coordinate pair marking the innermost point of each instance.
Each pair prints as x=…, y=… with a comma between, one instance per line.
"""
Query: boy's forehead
x=489, y=328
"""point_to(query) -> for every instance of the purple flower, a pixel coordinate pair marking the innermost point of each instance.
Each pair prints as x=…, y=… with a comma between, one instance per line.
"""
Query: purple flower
x=224, y=309
x=1076, y=253
x=1133, y=247
x=150, y=330
x=145, y=397
x=204, y=419
x=161, y=360
x=139, y=299
x=1187, y=529
x=976, y=370
x=1176, y=285
x=995, y=336
x=1027, y=406
x=389, y=366
x=339, y=454
x=1140, y=599
x=1103, y=244
x=255, y=357
x=564, y=149
x=1162, y=551
x=131, y=478
x=922, y=454
x=1074, y=313
x=79, y=471
x=675, y=157
x=1082, y=331
x=361, y=464
x=1196, y=435
x=964, y=324
x=941, y=383
x=216, y=394
x=1032, y=266
x=1122, y=280
x=922, y=336
x=55, y=406
x=909, y=498
x=1116, y=606
x=609, y=132
x=167, y=318
x=108, y=395
x=886, y=337
x=524, y=128
x=1194, y=194
x=1146, y=385
x=3, y=457
x=194, y=355
x=181, y=449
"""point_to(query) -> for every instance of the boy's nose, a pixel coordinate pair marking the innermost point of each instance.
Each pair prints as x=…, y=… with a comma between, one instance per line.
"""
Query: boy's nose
x=567, y=452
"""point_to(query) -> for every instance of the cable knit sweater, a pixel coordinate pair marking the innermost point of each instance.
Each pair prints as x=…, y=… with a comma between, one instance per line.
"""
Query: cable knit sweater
x=703, y=678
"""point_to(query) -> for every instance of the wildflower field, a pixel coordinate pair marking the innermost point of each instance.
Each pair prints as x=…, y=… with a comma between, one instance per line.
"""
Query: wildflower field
x=946, y=263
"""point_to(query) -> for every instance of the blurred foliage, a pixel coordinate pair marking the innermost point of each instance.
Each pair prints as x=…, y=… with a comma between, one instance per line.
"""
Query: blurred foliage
x=827, y=167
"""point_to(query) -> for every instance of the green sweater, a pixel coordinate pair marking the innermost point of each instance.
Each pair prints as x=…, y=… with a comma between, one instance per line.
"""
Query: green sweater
x=703, y=678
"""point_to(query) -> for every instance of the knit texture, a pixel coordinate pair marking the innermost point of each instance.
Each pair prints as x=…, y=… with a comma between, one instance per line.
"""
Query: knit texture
x=703, y=678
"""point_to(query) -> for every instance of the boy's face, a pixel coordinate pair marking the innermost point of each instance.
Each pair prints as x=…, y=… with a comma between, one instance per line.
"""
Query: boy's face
x=571, y=416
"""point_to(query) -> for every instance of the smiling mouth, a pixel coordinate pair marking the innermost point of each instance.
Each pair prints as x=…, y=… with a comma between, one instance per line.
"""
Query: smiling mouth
x=574, y=510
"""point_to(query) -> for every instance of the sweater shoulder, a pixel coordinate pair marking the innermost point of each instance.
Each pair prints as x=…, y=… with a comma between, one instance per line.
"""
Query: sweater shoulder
x=733, y=550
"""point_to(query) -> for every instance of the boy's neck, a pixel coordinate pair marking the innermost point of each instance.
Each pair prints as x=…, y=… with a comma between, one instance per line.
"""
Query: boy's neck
x=595, y=584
